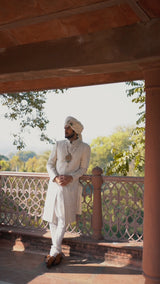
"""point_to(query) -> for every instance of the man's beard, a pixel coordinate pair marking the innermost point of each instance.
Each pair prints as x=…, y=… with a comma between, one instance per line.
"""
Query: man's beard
x=70, y=136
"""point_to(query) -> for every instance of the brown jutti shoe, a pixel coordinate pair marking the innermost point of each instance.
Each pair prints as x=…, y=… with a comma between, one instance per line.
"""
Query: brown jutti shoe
x=58, y=259
x=49, y=260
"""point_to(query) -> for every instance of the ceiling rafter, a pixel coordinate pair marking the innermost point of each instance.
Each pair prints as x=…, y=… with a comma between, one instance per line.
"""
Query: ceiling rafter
x=61, y=14
x=138, y=10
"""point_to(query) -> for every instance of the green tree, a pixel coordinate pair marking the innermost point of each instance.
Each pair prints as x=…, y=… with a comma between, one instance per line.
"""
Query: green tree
x=31, y=164
x=42, y=162
x=4, y=165
x=102, y=148
x=28, y=109
x=134, y=157
x=26, y=155
x=16, y=164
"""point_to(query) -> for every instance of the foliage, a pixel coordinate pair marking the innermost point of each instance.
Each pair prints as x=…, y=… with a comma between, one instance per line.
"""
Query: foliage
x=15, y=164
x=26, y=162
x=132, y=160
x=4, y=165
x=136, y=91
x=25, y=155
x=28, y=109
x=38, y=164
x=31, y=164
x=42, y=162
x=102, y=148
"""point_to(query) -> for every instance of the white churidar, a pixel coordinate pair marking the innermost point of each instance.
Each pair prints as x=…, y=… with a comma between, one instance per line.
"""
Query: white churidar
x=57, y=229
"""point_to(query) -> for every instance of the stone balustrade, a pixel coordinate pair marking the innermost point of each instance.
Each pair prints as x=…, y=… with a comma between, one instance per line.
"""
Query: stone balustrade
x=112, y=207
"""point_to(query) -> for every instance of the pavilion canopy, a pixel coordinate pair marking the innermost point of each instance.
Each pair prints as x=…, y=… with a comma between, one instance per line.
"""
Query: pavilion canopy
x=56, y=44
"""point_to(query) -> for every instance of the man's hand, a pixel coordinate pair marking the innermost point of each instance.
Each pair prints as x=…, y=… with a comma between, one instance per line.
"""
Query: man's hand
x=63, y=179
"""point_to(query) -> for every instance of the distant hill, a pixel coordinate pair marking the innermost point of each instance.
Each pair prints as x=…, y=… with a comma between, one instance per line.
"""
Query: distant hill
x=2, y=157
x=25, y=155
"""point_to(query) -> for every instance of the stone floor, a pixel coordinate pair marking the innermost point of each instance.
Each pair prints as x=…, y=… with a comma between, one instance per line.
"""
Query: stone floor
x=20, y=267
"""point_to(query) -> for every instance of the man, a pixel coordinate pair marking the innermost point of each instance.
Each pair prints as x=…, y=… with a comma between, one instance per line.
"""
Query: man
x=67, y=163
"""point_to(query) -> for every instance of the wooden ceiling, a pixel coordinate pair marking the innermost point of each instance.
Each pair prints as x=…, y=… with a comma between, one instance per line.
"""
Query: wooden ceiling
x=47, y=44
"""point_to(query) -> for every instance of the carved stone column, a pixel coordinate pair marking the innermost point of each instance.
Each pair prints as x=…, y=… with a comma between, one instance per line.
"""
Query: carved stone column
x=151, y=251
x=97, y=182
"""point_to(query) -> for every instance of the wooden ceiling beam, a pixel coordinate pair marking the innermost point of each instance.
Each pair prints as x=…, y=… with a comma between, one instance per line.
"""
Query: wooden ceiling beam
x=102, y=52
x=68, y=82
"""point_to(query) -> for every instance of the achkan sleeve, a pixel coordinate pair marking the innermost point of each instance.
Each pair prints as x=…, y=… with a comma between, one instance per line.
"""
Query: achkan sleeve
x=51, y=164
x=83, y=164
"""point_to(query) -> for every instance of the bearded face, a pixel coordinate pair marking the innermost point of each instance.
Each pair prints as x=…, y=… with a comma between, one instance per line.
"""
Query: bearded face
x=69, y=132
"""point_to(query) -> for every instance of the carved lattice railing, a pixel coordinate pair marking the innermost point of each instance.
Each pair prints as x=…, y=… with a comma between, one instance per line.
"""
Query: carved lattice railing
x=122, y=202
x=22, y=197
x=84, y=221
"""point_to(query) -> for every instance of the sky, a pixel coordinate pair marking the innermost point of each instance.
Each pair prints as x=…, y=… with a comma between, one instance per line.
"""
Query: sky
x=101, y=109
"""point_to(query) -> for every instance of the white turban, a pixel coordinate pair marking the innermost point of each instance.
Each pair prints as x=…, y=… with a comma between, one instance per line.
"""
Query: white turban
x=75, y=124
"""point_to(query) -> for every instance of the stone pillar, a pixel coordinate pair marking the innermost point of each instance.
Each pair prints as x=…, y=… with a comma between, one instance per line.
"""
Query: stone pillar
x=151, y=251
x=97, y=182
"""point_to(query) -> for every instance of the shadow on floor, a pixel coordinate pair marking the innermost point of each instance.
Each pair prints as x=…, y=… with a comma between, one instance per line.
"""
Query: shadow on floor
x=23, y=267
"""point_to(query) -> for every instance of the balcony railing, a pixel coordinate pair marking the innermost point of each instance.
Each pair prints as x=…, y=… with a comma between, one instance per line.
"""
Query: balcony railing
x=115, y=202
